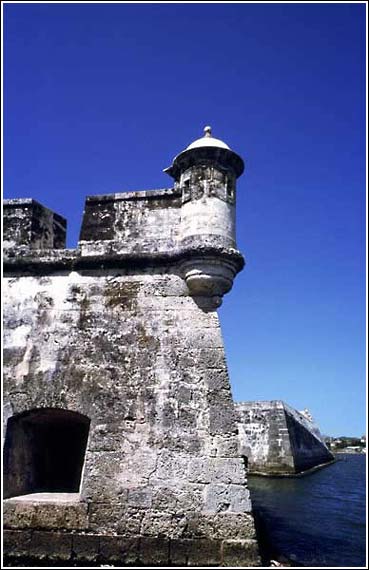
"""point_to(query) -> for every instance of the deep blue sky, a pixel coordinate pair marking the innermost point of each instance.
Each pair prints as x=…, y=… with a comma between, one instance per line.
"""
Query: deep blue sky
x=99, y=98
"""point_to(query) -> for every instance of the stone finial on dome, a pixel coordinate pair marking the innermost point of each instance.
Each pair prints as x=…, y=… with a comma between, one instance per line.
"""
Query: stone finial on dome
x=205, y=147
x=207, y=140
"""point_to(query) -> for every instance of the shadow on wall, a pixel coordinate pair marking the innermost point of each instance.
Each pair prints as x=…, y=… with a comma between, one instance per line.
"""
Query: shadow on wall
x=44, y=451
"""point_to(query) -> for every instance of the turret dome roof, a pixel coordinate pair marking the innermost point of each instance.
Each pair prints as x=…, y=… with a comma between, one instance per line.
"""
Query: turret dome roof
x=207, y=140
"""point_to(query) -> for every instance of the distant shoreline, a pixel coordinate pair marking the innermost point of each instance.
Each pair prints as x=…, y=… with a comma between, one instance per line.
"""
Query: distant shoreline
x=350, y=451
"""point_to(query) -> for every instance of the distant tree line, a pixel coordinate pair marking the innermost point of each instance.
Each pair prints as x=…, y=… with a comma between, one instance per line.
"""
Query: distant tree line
x=342, y=442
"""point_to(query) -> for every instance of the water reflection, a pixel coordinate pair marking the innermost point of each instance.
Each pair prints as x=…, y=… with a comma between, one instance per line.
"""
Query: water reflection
x=316, y=520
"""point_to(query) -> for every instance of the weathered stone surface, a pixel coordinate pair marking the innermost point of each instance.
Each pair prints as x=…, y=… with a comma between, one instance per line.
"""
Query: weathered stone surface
x=219, y=470
x=120, y=337
x=144, y=220
x=28, y=223
x=219, y=525
x=221, y=498
x=198, y=552
x=195, y=552
x=179, y=551
x=120, y=549
x=140, y=497
x=119, y=518
x=154, y=551
x=278, y=440
x=86, y=547
x=156, y=523
x=204, y=552
x=19, y=514
x=17, y=542
x=240, y=553
x=51, y=545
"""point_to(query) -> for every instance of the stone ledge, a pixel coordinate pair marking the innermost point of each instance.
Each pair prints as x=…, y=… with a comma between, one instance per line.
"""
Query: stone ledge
x=119, y=548
x=17, y=542
x=97, y=549
x=34, y=547
x=35, y=261
x=240, y=553
x=135, y=195
x=20, y=202
x=33, y=514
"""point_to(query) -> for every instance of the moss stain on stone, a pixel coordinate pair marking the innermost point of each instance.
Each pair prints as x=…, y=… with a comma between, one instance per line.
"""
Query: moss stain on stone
x=118, y=294
x=146, y=341
x=83, y=315
x=163, y=203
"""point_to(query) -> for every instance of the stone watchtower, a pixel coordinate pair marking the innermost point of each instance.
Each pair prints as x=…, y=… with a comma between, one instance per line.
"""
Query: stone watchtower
x=206, y=174
x=120, y=430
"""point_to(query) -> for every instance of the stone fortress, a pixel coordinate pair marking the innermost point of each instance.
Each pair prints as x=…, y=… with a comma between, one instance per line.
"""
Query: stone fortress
x=122, y=442
x=279, y=440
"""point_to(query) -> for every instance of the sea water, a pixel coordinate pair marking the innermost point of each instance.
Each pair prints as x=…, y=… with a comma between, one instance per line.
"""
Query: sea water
x=314, y=520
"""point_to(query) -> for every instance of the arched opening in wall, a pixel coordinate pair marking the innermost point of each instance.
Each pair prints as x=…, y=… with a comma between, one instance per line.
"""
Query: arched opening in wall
x=44, y=452
x=245, y=460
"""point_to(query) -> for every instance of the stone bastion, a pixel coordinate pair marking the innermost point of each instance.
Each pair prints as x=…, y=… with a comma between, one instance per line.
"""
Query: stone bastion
x=121, y=440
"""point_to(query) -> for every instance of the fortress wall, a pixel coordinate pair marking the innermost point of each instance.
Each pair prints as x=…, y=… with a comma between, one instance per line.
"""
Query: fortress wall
x=146, y=221
x=28, y=223
x=122, y=343
x=308, y=448
x=278, y=440
x=264, y=437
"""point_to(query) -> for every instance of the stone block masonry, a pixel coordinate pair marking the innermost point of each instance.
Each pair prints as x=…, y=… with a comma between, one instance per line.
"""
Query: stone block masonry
x=121, y=434
x=28, y=223
x=278, y=440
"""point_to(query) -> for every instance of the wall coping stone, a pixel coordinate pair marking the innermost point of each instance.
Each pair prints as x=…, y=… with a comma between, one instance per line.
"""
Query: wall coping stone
x=135, y=195
x=22, y=259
